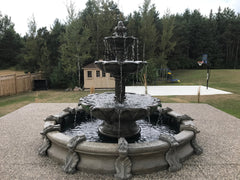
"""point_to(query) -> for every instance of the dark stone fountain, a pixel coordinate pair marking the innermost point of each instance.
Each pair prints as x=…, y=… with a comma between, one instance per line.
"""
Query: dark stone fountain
x=120, y=112
x=135, y=134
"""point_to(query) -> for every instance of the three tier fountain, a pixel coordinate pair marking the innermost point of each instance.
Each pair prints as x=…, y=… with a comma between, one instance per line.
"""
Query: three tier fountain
x=119, y=133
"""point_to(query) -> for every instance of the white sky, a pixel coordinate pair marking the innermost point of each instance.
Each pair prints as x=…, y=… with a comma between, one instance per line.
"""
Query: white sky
x=46, y=11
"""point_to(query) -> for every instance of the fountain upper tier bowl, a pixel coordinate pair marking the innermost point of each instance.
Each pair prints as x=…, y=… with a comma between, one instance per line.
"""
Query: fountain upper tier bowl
x=120, y=67
x=121, y=53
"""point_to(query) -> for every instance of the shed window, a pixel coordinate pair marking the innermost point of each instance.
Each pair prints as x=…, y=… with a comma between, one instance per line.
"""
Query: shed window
x=103, y=74
x=97, y=73
x=89, y=74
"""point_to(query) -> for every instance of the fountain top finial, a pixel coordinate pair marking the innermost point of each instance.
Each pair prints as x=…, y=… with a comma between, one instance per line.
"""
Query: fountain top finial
x=120, y=29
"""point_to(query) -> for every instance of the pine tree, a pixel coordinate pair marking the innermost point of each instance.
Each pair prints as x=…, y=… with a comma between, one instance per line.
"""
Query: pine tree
x=167, y=44
x=75, y=48
x=148, y=30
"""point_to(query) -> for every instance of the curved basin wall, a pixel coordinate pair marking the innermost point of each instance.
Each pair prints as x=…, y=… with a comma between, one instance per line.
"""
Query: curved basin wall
x=168, y=152
x=101, y=157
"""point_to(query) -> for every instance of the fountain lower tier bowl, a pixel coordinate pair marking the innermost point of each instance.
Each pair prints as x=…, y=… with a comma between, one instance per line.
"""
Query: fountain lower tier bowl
x=78, y=153
x=119, y=118
x=118, y=68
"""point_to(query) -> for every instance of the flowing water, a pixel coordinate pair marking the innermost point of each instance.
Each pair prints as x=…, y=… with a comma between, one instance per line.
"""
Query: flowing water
x=106, y=100
x=149, y=132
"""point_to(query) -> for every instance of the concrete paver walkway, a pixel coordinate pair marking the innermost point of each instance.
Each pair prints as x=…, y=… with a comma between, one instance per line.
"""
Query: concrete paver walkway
x=20, y=140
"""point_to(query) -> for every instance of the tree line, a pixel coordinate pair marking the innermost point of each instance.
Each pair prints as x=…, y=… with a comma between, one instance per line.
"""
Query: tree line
x=176, y=41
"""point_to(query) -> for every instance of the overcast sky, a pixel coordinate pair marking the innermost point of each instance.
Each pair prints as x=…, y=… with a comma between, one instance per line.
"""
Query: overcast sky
x=46, y=11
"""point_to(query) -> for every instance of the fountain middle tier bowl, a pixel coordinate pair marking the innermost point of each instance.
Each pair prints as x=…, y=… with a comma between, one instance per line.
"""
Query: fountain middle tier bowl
x=103, y=106
x=119, y=118
x=120, y=67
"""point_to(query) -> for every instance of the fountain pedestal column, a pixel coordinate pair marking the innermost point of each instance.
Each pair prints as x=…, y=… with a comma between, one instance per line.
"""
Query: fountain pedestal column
x=120, y=89
x=119, y=128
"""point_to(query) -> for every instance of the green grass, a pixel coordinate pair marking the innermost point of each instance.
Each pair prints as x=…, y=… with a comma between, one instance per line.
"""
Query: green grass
x=228, y=80
x=11, y=103
x=224, y=79
x=230, y=105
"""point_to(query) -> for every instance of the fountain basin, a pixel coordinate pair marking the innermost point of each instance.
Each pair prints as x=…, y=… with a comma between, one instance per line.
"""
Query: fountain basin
x=145, y=157
x=101, y=157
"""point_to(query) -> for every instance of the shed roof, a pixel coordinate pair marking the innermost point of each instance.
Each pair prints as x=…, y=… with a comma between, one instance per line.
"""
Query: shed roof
x=90, y=66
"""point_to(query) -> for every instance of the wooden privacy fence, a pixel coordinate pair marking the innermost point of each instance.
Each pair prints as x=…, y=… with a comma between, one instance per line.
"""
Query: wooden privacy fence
x=14, y=84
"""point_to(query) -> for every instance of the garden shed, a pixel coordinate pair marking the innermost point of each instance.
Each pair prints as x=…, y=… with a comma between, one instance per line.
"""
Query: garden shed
x=96, y=78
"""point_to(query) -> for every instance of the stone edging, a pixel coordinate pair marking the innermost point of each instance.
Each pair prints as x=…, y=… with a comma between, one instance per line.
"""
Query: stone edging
x=102, y=157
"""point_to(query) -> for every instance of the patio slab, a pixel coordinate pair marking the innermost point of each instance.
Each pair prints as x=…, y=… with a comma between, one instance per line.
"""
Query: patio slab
x=20, y=139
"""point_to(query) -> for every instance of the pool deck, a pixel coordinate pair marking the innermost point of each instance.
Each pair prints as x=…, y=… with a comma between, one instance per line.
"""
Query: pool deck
x=20, y=140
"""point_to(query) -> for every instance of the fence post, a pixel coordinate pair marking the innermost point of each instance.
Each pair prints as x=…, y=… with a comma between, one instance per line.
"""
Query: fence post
x=145, y=83
x=15, y=82
x=30, y=81
x=40, y=72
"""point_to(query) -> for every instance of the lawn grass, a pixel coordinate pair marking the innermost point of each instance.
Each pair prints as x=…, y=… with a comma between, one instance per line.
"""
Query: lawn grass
x=11, y=103
x=228, y=80
x=224, y=79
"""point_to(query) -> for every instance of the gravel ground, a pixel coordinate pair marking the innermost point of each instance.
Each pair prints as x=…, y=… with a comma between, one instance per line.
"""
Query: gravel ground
x=20, y=140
